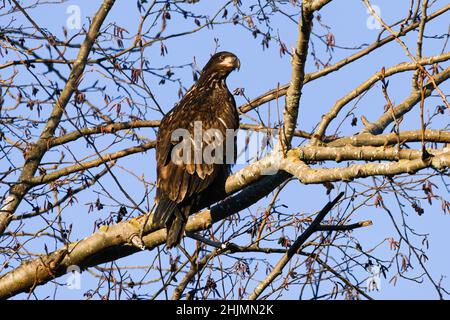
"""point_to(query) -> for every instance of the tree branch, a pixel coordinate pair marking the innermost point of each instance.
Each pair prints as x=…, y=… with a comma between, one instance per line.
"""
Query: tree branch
x=278, y=269
x=39, y=148
x=113, y=242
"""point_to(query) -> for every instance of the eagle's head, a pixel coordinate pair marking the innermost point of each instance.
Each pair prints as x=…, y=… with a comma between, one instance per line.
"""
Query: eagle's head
x=220, y=65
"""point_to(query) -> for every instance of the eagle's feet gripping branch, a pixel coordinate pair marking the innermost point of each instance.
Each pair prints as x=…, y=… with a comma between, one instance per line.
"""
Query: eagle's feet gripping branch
x=136, y=240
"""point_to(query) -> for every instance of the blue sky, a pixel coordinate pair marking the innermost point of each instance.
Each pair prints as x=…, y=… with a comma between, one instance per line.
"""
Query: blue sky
x=260, y=71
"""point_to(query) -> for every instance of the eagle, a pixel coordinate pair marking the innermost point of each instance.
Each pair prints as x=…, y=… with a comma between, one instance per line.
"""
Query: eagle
x=185, y=183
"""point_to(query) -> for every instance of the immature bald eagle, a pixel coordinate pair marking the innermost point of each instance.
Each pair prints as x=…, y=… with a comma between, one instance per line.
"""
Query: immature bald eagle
x=184, y=187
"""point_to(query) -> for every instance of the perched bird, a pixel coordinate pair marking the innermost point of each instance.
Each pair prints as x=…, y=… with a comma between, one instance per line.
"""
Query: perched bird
x=184, y=187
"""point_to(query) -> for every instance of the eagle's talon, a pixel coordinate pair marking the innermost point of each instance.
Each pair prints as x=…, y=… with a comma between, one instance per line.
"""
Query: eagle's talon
x=136, y=241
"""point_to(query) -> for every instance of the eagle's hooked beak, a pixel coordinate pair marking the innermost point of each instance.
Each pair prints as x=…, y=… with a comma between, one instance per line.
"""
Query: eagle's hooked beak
x=237, y=64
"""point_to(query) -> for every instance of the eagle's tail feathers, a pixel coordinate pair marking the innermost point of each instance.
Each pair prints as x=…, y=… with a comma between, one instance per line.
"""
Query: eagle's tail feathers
x=174, y=217
x=175, y=226
x=163, y=211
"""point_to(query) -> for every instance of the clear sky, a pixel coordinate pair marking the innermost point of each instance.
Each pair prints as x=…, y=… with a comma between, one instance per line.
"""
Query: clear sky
x=260, y=71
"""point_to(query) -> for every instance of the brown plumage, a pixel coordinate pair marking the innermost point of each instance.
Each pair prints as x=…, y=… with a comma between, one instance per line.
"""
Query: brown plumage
x=187, y=186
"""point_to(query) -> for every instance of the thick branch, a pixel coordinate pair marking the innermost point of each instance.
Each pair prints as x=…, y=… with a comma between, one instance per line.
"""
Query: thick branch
x=366, y=85
x=368, y=139
x=404, y=107
x=308, y=175
x=293, y=93
x=114, y=242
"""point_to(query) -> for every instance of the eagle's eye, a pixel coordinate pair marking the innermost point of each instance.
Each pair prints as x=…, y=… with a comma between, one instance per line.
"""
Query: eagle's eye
x=222, y=57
